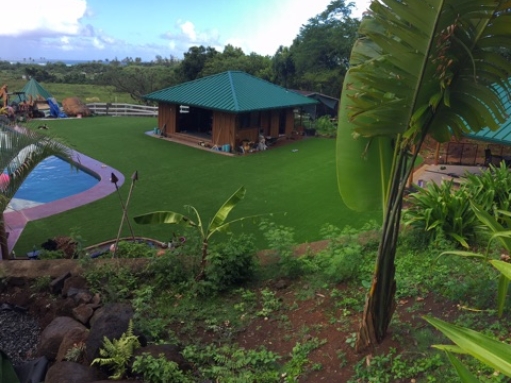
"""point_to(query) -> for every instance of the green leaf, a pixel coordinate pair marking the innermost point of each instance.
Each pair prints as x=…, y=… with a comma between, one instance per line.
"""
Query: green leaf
x=465, y=375
x=222, y=213
x=160, y=217
x=503, y=288
x=491, y=352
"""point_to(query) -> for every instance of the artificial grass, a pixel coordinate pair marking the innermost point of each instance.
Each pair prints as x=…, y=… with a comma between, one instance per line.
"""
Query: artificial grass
x=296, y=182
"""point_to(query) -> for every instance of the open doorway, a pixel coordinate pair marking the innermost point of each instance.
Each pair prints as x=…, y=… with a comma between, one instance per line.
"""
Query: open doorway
x=195, y=121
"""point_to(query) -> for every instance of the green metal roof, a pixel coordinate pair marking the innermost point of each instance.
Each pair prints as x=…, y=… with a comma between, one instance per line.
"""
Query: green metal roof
x=231, y=91
x=503, y=134
x=36, y=90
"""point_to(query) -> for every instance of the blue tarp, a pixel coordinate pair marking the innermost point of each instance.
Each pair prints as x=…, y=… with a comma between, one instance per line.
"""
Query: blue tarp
x=55, y=109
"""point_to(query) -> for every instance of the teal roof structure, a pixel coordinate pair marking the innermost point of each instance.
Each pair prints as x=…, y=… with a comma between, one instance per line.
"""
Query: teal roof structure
x=36, y=90
x=231, y=91
x=502, y=135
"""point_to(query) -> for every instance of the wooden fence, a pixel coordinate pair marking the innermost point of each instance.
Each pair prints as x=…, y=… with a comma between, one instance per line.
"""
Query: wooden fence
x=111, y=109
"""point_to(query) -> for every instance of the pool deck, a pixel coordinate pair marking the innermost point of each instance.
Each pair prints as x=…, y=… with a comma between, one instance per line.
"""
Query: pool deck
x=16, y=220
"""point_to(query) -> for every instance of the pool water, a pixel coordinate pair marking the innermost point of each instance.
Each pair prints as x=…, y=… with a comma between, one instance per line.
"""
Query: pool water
x=53, y=179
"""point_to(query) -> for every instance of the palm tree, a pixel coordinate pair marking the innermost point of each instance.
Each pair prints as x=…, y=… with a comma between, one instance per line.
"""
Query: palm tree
x=420, y=67
x=21, y=150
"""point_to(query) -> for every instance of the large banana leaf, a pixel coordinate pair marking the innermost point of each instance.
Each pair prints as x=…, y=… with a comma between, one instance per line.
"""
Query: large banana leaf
x=420, y=66
x=491, y=352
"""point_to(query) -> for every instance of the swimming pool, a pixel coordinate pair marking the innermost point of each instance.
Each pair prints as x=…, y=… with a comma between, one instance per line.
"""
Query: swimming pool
x=53, y=179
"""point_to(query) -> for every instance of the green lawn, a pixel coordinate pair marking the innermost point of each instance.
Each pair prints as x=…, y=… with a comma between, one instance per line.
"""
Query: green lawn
x=296, y=181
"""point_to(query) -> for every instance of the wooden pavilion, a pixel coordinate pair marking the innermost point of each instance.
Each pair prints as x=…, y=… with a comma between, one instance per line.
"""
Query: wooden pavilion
x=225, y=109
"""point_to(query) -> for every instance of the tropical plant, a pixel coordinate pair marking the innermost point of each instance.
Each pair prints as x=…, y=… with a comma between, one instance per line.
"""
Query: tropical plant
x=441, y=210
x=117, y=353
x=421, y=67
x=491, y=189
x=21, y=150
x=490, y=351
x=217, y=224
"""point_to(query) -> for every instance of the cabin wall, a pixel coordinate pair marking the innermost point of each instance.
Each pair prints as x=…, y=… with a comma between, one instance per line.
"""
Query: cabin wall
x=167, y=114
x=274, y=123
x=223, y=131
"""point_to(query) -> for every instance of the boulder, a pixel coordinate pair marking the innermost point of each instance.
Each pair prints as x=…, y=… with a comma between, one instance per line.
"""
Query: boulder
x=83, y=313
x=53, y=334
x=110, y=321
x=75, y=283
x=73, y=345
x=57, y=284
x=71, y=372
x=73, y=106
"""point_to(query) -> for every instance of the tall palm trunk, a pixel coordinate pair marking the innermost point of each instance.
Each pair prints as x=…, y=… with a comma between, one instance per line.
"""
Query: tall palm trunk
x=380, y=303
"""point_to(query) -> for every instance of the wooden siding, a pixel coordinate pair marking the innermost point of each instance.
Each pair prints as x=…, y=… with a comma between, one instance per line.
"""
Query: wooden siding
x=223, y=131
x=274, y=123
x=167, y=115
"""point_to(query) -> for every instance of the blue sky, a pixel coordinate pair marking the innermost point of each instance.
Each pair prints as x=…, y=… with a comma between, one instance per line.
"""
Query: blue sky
x=108, y=29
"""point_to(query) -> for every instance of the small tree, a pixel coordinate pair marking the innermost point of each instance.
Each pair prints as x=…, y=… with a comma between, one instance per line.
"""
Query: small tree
x=217, y=224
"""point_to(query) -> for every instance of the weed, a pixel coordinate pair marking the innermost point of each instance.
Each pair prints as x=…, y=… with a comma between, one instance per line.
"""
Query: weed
x=351, y=339
x=231, y=363
x=41, y=284
x=270, y=303
x=295, y=367
x=159, y=370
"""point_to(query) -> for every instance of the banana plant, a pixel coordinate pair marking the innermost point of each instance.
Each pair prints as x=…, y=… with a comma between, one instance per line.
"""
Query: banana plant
x=217, y=224
x=21, y=150
x=420, y=67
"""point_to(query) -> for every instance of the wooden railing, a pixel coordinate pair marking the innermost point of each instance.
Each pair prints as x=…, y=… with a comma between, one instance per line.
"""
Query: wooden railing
x=111, y=109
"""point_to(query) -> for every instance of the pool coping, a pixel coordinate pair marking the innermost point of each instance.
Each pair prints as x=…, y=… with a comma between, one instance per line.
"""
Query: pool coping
x=15, y=221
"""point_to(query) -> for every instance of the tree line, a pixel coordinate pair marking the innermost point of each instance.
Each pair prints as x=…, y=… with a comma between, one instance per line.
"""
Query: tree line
x=317, y=60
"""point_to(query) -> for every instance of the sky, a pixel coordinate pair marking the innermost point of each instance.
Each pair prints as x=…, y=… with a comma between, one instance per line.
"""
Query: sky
x=109, y=29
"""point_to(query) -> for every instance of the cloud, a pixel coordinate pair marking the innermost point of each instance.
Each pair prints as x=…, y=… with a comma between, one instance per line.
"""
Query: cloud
x=48, y=18
x=186, y=35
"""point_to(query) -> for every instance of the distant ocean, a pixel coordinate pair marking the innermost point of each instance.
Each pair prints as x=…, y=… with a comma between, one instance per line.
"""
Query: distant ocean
x=44, y=61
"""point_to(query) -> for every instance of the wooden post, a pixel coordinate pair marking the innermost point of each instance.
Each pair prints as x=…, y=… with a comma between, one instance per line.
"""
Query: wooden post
x=437, y=152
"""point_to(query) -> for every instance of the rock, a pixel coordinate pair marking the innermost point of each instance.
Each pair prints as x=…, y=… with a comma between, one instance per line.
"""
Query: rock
x=53, y=334
x=171, y=352
x=109, y=321
x=76, y=282
x=80, y=296
x=57, y=284
x=83, y=313
x=73, y=340
x=71, y=372
x=73, y=106
x=66, y=307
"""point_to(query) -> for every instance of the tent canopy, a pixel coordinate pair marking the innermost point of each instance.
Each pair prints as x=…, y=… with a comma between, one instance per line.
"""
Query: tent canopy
x=36, y=90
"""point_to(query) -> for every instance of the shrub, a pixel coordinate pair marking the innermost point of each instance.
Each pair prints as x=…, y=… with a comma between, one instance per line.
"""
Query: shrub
x=341, y=261
x=230, y=264
x=324, y=127
x=281, y=242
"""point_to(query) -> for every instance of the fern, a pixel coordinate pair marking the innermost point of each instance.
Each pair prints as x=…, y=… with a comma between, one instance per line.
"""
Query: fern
x=118, y=352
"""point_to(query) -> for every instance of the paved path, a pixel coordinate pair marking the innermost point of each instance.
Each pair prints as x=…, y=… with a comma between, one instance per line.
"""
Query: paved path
x=438, y=173
x=17, y=220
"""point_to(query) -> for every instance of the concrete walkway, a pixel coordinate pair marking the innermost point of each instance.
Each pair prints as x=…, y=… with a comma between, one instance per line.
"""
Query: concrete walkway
x=439, y=173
